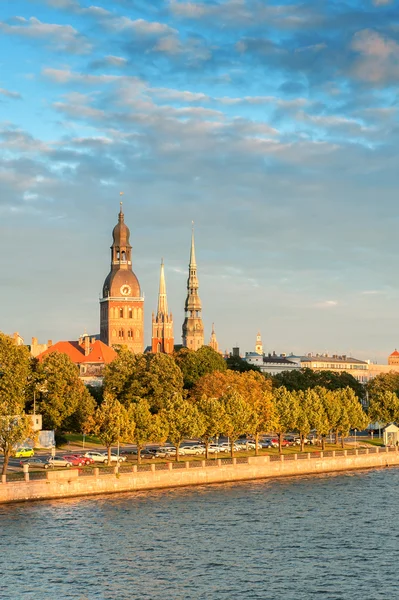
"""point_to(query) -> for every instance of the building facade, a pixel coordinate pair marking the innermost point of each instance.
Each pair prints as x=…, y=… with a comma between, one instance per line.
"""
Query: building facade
x=162, y=321
x=271, y=364
x=122, y=303
x=193, y=327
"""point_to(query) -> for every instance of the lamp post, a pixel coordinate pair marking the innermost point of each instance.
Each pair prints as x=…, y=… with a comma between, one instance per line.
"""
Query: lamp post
x=355, y=438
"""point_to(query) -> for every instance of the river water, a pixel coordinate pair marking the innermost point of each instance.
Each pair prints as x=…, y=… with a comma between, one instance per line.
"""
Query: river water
x=332, y=537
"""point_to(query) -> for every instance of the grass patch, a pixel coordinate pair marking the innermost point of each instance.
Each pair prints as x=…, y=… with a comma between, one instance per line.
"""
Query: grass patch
x=77, y=440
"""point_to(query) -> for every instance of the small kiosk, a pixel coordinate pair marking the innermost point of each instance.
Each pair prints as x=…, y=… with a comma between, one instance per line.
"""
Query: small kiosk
x=391, y=435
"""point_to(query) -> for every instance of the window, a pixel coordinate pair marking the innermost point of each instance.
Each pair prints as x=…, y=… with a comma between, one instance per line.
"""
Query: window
x=130, y=334
x=121, y=334
x=130, y=314
x=121, y=313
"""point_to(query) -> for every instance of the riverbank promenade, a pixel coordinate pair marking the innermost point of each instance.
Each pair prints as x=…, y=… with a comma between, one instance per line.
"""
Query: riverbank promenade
x=75, y=482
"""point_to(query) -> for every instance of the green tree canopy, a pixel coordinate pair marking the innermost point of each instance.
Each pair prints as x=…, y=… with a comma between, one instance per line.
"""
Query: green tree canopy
x=111, y=423
x=14, y=429
x=384, y=406
x=287, y=412
x=149, y=427
x=236, y=363
x=385, y=382
x=213, y=416
x=184, y=420
x=153, y=377
x=303, y=379
x=194, y=364
x=238, y=418
x=14, y=374
x=64, y=400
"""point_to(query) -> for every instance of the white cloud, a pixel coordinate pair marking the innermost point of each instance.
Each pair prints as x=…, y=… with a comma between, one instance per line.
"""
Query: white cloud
x=62, y=37
x=9, y=94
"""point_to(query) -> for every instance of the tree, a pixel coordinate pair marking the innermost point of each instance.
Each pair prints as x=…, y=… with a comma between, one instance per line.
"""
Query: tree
x=183, y=419
x=263, y=415
x=194, y=364
x=62, y=392
x=111, y=423
x=384, y=406
x=15, y=426
x=154, y=377
x=303, y=379
x=311, y=413
x=14, y=429
x=236, y=363
x=251, y=385
x=287, y=410
x=385, y=382
x=238, y=416
x=14, y=373
x=352, y=415
x=213, y=415
x=329, y=413
x=149, y=427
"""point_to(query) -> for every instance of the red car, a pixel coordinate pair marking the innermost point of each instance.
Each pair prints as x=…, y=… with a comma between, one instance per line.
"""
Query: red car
x=86, y=460
x=284, y=443
x=76, y=461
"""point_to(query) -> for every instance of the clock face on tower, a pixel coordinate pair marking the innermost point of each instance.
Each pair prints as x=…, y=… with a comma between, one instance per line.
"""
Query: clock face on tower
x=125, y=290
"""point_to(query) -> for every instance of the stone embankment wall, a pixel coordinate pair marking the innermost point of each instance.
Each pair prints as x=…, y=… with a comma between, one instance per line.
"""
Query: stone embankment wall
x=70, y=483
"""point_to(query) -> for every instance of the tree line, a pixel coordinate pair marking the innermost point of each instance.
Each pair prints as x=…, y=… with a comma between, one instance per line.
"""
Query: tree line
x=188, y=394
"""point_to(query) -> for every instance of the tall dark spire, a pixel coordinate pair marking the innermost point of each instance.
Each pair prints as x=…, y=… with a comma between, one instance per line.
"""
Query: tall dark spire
x=162, y=321
x=193, y=328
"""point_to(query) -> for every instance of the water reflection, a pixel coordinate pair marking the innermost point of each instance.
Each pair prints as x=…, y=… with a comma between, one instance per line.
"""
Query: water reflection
x=330, y=537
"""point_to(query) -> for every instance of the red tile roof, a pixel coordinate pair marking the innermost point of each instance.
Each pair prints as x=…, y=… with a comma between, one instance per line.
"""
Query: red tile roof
x=99, y=352
x=394, y=353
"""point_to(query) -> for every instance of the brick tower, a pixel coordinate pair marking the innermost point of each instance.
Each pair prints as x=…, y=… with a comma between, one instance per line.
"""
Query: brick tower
x=193, y=328
x=259, y=345
x=162, y=321
x=122, y=304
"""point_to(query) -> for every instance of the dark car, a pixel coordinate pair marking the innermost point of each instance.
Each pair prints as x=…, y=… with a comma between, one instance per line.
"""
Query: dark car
x=33, y=462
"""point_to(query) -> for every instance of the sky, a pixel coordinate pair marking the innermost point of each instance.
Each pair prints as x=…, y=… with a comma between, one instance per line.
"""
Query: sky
x=273, y=125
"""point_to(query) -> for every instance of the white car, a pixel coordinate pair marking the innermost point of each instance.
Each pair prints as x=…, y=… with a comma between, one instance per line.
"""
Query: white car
x=102, y=457
x=190, y=450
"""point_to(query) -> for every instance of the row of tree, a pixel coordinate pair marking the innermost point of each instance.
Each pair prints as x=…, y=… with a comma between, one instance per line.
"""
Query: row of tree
x=243, y=405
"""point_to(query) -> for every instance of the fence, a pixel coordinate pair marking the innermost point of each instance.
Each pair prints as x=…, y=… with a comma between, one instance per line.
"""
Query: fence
x=175, y=466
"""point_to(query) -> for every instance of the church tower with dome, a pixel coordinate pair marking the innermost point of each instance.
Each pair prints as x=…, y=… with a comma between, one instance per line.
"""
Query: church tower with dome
x=122, y=303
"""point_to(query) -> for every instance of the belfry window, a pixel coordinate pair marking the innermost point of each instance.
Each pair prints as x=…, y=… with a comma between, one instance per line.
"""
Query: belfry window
x=123, y=255
x=130, y=313
x=121, y=313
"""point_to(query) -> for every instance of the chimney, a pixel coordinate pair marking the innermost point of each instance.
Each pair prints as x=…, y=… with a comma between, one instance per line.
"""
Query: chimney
x=93, y=339
x=49, y=343
x=87, y=345
x=34, y=341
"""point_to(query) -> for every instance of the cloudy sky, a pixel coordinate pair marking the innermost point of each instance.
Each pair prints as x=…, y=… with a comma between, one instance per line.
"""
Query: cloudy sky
x=272, y=124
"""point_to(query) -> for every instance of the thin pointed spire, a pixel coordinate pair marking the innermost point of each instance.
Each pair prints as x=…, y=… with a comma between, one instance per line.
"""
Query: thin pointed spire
x=193, y=261
x=162, y=299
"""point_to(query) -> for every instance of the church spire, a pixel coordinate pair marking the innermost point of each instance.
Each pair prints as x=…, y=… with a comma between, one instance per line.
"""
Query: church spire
x=193, y=262
x=162, y=322
x=162, y=298
x=193, y=328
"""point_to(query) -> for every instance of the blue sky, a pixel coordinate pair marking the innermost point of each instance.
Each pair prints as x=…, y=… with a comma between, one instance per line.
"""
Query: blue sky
x=273, y=125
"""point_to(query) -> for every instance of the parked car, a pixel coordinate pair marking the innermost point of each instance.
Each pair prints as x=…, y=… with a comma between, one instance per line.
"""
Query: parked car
x=33, y=462
x=95, y=456
x=24, y=452
x=85, y=459
x=246, y=444
x=148, y=453
x=226, y=447
x=57, y=461
x=114, y=457
x=213, y=448
x=190, y=450
x=76, y=461
x=165, y=451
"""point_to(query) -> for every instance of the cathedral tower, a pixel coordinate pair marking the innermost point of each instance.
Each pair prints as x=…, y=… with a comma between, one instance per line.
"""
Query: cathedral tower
x=193, y=328
x=122, y=304
x=162, y=321
x=259, y=345
x=213, y=341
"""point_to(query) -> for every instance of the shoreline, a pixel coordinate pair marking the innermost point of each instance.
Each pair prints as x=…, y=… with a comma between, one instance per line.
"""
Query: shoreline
x=70, y=484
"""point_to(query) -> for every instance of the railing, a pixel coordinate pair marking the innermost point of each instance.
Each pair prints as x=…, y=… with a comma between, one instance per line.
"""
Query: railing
x=18, y=477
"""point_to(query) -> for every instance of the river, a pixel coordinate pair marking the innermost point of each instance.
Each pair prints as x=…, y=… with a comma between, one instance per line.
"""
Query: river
x=330, y=536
